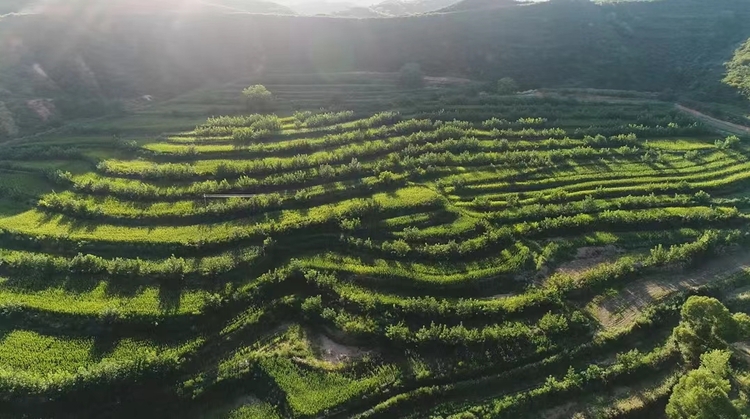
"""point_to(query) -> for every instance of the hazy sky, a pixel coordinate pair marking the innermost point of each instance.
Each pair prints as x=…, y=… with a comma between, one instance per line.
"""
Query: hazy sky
x=357, y=2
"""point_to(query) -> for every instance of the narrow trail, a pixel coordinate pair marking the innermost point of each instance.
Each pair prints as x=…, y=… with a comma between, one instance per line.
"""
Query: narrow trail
x=623, y=309
x=719, y=124
x=715, y=122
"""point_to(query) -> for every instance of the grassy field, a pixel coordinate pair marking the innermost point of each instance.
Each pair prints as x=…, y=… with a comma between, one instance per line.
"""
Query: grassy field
x=362, y=251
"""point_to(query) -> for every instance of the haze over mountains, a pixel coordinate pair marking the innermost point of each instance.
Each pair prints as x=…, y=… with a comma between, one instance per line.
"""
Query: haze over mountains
x=403, y=8
x=366, y=8
x=143, y=6
x=467, y=5
x=348, y=8
x=673, y=46
x=339, y=8
x=324, y=7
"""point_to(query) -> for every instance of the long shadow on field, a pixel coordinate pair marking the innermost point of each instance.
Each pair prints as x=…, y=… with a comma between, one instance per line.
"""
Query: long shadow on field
x=10, y=207
x=121, y=286
x=654, y=165
x=76, y=284
x=601, y=166
x=170, y=292
x=104, y=344
x=73, y=224
x=5, y=331
x=43, y=281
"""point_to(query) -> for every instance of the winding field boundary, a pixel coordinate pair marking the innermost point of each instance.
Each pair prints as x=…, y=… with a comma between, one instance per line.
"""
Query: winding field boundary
x=715, y=122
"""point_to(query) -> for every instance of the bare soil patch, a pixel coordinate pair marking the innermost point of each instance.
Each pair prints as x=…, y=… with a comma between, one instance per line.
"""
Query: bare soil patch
x=588, y=257
x=624, y=308
x=337, y=353
x=560, y=412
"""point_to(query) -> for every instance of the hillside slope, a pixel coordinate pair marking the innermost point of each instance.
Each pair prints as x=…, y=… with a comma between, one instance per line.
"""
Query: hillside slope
x=675, y=46
x=455, y=256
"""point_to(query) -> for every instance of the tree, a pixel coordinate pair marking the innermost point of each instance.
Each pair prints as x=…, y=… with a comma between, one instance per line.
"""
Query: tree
x=705, y=324
x=507, y=86
x=411, y=76
x=257, y=97
x=738, y=70
x=704, y=393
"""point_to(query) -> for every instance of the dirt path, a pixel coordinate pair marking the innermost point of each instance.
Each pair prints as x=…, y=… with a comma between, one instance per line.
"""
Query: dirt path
x=623, y=309
x=719, y=124
x=714, y=122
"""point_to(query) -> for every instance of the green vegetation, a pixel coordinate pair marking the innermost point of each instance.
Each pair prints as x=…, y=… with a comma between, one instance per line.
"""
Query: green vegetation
x=256, y=97
x=411, y=76
x=738, y=70
x=507, y=86
x=706, y=391
x=317, y=229
x=703, y=393
x=435, y=253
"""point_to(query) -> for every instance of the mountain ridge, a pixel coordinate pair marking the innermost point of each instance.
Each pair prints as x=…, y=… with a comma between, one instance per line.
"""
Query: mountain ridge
x=672, y=46
x=119, y=7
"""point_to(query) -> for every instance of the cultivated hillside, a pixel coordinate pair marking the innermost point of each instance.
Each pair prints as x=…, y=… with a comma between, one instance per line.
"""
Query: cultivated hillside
x=409, y=253
x=270, y=221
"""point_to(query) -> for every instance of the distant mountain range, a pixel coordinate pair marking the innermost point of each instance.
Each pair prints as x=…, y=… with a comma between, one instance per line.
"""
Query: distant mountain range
x=323, y=7
x=89, y=7
x=364, y=8
x=413, y=7
x=339, y=8
x=395, y=8
x=469, y=5
x=359, y=12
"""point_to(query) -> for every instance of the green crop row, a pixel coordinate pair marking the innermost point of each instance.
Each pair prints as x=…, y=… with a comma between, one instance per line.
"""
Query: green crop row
x=707, y=175
x=387, y=307
x=191, y=212
x=36, y=226
x=586, y=173
x=558, y=390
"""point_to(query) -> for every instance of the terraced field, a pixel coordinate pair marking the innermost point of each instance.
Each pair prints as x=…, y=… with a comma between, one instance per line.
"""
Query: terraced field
x=444, y=260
